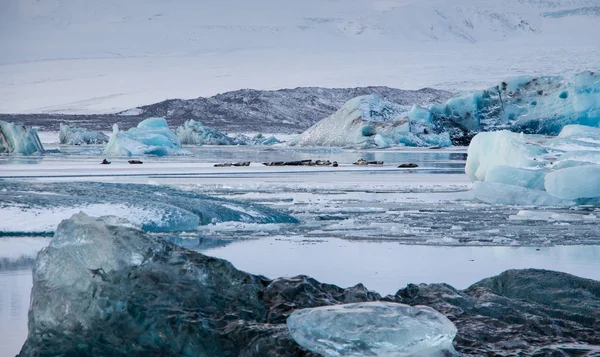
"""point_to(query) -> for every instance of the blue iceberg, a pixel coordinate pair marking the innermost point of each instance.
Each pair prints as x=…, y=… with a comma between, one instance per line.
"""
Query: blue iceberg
x=369, y=121
x=80, y=136
x=520, y=169
x=17, y=139
x=195, y=133
x=39, y=207
x=151, y=137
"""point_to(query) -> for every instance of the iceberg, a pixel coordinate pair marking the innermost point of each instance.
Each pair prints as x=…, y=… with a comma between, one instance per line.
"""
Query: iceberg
x=373, y=329
x=533, y=105
x=195, y=133
x=520, y=169
x=18, y=139
x=151, y=137
x=370, y=121
x=37, y=208
x=80, y=136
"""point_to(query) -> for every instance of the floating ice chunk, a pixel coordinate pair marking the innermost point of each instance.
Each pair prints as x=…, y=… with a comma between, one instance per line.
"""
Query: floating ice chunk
x=574, y=182
x=195, y=133
x=260, y=139
x=550, y=216
x=508, y=175
x=373, y=329
x=80, y=136
x=498, y=193
x=151, y=137
x=17, y=139
x=501, y=148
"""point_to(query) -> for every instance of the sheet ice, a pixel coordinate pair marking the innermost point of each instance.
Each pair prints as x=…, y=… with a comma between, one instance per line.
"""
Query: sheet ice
x=373, y=329
x=371, y=121
x=195, y=133
x=80, y=136
x=18, y=139
x=151, y=137
x=515, y=168
x=41, y=206
x=534, y=105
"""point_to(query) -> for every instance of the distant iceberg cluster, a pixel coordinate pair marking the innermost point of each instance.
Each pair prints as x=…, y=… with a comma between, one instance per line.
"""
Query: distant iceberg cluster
x=151, y=137
x=372, y=122
x=511, y=168
x=17, y=139
x=80, y=136
x=195, y=133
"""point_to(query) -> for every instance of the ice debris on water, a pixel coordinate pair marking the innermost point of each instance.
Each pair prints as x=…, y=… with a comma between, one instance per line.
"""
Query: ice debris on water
x=373, y=329
x=511, y=168
x=193, y=132
x=154, y=208
x=18, y=139
x=372, y=122
x=80, y=136
x=151, y=137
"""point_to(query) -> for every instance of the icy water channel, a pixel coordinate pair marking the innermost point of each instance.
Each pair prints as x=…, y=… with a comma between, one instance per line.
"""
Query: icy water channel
x=381, y=226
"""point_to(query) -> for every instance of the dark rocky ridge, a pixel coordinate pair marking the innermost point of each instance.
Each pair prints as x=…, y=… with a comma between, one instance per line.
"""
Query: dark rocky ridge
x=247, y=110
x=101, y=289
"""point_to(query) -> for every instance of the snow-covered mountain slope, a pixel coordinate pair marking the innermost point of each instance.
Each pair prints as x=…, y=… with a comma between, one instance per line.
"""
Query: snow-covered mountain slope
x=108, y=55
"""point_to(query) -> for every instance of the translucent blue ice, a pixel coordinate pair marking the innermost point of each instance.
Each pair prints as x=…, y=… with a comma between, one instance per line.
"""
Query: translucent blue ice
x=373, y=329
x=17, y=139
x=151, y=137
x=195, y=133
x=154, y=208
x=80, y=136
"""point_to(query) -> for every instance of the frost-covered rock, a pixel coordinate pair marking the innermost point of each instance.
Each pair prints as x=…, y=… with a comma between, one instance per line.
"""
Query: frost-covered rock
x=373, y=329
x=534, y=105
x=18, y=139
x=151, y=137
x=369, y=121
x=521, y=169
x=38, y=207
x=80, y=136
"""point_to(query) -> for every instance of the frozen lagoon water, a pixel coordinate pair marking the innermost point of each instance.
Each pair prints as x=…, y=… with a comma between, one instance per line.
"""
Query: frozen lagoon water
x=382, y=226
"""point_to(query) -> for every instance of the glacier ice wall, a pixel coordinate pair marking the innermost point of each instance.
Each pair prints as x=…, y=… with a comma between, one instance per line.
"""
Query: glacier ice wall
x=80, y=136
x=373, y=329
x=511, y=168
x=18, y=139
x=193, y=132
x=154, y=208
x=151, y=137
x=373, y=122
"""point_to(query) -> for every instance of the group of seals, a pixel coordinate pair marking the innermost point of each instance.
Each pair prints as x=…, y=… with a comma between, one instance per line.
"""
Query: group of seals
x=237, y=164
x=133, y=162
x=301, y=163
x=365, y=162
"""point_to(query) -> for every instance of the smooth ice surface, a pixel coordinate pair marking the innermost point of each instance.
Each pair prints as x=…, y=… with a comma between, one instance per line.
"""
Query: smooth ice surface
x=151, y=137
x=370, y=121
x=521, y=169
x=195, y=133
x=17, y=139
x=372, y=329
x=39, y=207
x=80, y=136
x=536, y=105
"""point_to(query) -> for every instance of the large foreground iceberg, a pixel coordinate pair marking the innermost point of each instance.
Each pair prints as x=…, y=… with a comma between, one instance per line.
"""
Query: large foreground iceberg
x=371, y=121
x=17, y=139
x=373, y=329
x=511, y=168
x=102, y=288
x=195, y=133
x=80, y=136
x=151, y=137
x=37, y=208
x=534, y=105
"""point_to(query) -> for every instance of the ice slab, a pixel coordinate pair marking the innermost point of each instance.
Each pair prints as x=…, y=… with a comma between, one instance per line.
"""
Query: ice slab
x=151, y=137
x=80, y=136
x=193, y=132
x=18, y=139
x=371, y=122
x=38, y=207
x=373, y=329
x=521, y=169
